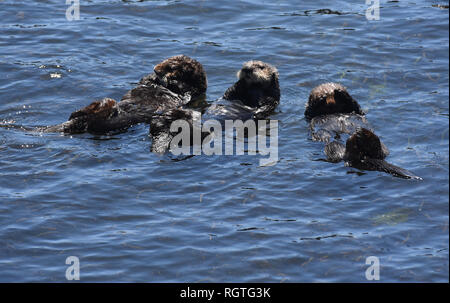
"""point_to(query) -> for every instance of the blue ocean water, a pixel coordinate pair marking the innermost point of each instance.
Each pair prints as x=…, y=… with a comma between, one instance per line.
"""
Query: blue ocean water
x=131, y=215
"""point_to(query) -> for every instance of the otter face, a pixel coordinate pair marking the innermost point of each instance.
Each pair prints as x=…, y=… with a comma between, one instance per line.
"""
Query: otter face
x=257, y=72
x=330, y=98
x=362, y=145
x=182, y=75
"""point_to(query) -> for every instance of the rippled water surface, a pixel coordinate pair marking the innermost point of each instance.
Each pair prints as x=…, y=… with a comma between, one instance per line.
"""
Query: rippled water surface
x=130, y=215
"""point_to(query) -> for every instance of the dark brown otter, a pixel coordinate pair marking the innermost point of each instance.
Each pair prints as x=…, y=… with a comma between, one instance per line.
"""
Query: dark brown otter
x=364, y=150
x=331, y=98
x=175, y=82
x=255, y=95
x=182, y=75
x=363, y=145
x=332, y=112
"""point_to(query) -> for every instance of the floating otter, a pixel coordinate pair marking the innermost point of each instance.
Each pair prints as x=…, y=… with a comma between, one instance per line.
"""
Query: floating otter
x=364, y=150
x=175, y=82
x=255, y=95
x=333, y=113
x=331, y=98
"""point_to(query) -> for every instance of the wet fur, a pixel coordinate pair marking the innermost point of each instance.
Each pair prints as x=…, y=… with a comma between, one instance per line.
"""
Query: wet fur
x=328, y=127
x=364, y=150
x=181, y=75
x=255, y=95
x=257, y=92
x=160, y=128
x=333, y=113
x=330, y=98
x=175, y=82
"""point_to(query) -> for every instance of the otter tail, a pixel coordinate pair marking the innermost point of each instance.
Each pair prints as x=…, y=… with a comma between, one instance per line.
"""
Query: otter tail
x=38, y=129
x=381, y=165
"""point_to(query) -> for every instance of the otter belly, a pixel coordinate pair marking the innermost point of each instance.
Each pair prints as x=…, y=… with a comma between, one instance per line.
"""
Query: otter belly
x=223, y=109
x=324, y=128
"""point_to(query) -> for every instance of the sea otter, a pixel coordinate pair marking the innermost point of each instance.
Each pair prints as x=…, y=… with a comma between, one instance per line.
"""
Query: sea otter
x=330, y=98
x=255, y=95
x=175, y=82
x=364, y=150
x=332, y=112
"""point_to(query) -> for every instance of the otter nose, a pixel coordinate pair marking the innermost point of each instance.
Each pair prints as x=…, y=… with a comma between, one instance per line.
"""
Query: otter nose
x=247, y=70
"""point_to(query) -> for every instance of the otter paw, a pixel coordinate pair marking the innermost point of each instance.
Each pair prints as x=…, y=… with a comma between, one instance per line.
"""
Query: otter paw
x=100, y=109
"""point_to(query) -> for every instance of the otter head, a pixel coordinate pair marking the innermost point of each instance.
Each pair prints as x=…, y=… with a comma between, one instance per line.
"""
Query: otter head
x=259, y=73
x=363, y=145
x=330, y=98
x=182, y=75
